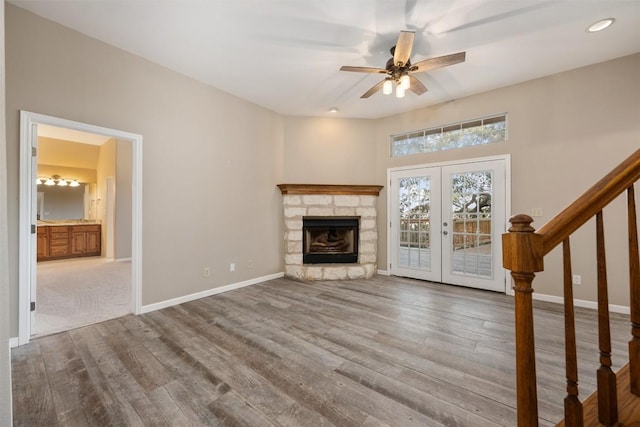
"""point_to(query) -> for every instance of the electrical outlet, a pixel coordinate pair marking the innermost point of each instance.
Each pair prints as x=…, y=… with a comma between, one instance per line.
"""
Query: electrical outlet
x=536, y=211
x=206, y=272
x=577, y=279
x=232, y=267
x=250, y=264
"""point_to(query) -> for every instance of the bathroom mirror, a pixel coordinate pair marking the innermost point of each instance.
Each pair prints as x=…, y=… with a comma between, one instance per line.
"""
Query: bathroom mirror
x=56, y=203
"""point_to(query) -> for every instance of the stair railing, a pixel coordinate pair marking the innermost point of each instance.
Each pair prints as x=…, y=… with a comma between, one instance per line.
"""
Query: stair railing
x=524, y=250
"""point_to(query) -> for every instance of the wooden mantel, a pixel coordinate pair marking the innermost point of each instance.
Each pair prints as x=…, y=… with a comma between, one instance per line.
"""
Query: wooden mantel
x=360, y=190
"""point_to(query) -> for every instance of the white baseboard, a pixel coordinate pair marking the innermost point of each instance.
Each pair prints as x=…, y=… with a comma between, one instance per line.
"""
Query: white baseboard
x=559, y=300
x=123, y=259
x=581, y=303
x=13, y=342
x=186, y=298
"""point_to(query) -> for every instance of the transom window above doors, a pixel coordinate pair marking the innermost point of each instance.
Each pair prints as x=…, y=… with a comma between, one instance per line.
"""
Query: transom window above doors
x=464, y=134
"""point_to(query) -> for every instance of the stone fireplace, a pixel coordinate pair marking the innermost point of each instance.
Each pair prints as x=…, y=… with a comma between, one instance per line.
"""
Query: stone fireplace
x=330, y=231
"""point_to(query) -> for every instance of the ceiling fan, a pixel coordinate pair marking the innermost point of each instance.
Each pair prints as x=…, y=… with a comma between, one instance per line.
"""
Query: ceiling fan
x=399, y=68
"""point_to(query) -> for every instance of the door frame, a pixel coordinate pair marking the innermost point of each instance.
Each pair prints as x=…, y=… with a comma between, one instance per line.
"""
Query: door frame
x=29, y=122
x=507, y=196
x=110, y=204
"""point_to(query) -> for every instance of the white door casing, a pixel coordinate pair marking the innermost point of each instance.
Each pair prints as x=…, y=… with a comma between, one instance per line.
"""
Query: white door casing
x=27, y=241
x=110, y=219
x=33, y=256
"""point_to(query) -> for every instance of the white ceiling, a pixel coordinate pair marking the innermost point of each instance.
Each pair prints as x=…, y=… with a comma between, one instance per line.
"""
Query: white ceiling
x=285, y=55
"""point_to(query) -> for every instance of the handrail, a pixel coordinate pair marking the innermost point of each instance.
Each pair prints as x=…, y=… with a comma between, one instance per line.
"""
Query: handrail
x=590, y=203
x=524, y=249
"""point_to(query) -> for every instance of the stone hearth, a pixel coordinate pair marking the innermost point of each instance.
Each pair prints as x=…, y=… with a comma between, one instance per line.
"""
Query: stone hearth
x=304, y=200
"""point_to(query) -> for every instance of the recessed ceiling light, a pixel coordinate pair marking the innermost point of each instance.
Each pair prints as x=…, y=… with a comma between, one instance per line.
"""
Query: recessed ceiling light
x=600, y=25
x=333, y=110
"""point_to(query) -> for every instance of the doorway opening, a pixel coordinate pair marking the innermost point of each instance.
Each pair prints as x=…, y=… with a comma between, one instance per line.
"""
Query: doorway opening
x=446, y=222
x=99, y=209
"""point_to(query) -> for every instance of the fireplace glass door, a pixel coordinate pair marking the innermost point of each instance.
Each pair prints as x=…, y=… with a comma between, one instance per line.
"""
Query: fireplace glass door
x=330, y=240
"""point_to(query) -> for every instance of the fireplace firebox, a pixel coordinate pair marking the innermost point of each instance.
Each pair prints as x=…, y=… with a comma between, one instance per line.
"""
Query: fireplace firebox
x=330, y=239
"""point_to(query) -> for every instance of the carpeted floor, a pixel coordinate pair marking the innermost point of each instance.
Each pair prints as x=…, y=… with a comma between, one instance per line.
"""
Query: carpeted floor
x=78, y=292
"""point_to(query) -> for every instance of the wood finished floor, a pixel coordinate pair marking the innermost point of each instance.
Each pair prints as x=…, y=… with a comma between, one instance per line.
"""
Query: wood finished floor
x=380, y=352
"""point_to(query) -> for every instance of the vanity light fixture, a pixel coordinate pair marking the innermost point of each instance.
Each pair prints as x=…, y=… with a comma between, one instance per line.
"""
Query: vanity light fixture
x=600, y=25
x=56, y=180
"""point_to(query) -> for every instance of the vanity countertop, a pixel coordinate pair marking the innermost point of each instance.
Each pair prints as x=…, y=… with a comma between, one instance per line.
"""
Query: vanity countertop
x=62, y=222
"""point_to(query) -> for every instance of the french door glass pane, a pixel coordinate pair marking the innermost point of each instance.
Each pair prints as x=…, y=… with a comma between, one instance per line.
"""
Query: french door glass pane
x=471, y=216
x=415, y=231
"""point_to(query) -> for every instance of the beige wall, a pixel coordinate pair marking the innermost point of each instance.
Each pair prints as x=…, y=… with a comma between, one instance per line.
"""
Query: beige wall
x=81, y=174
x=59, y=152
x=211, y=161
x=329, y=151
x=565, y=132
x=67, y=159
x=5, y=302
x=105, y=168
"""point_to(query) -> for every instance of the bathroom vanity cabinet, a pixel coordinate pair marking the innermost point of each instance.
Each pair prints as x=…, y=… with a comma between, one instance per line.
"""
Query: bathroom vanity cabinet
x=68, y=241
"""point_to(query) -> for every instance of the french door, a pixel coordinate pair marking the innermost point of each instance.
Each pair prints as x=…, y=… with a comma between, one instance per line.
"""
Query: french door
x=446, y=223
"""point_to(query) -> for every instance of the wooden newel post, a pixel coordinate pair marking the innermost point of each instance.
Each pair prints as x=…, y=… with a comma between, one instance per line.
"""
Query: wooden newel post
x=522, y=253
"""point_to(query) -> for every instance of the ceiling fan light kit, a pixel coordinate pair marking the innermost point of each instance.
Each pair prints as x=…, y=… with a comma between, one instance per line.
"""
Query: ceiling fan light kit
x=399, y=68
x=387, y=87
x=405, y=82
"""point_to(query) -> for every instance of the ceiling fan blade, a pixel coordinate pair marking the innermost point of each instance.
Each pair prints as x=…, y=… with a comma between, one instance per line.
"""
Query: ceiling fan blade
x=403, y=47
x=416, y=86
x=373, y=90
x=363, y=69
x=440, y=61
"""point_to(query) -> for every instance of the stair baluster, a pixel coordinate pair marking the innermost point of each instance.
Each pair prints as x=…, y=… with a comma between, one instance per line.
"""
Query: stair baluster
x=573, y=414
x=634, y=298
x=606, y=378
